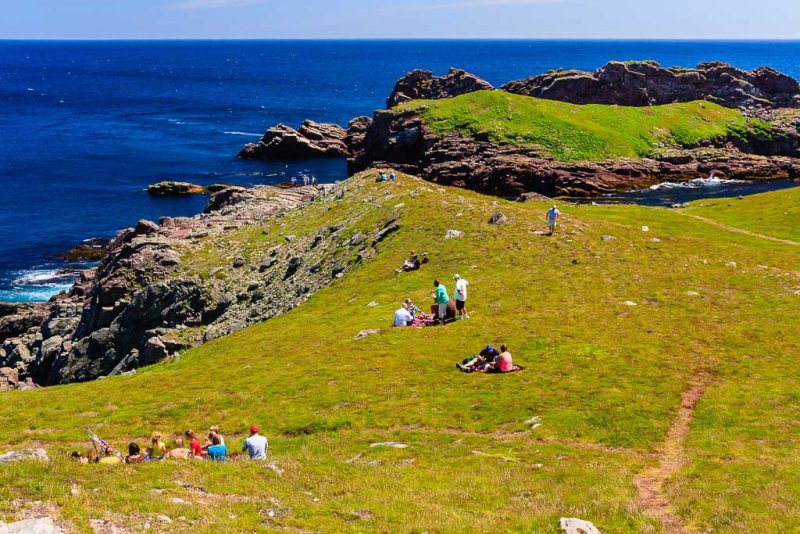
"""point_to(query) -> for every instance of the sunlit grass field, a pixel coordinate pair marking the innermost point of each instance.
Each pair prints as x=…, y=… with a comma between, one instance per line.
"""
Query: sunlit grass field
x=571, y=132
x=605, y=377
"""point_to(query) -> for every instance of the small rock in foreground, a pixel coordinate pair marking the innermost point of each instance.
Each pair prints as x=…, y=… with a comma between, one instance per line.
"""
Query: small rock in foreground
x=392, y=444
x=40, y=525
x=365, y=333
x=21, y=456
x=572, y=525
x=453, y=233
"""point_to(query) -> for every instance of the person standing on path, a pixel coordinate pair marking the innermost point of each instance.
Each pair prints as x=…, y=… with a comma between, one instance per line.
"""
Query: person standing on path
x=461, y=297
x=440, y=296
x=552, y=218
x=256, y=445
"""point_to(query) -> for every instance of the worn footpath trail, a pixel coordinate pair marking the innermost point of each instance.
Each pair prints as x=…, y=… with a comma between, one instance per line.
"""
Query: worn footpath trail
x=671, y=459
x=736, y=230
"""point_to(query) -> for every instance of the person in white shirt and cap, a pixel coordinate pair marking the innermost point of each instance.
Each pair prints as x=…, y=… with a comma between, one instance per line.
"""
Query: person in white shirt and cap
x=552, y=218
x=461, y=297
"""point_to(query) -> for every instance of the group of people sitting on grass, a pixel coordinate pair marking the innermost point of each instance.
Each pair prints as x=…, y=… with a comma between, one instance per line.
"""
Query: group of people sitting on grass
x=443, y=308
x=382, y=177
x=489, y=360
x=213, y=449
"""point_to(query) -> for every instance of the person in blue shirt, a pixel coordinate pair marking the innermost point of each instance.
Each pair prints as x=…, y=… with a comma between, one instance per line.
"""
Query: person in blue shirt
x=217, y=451
x=392, y=176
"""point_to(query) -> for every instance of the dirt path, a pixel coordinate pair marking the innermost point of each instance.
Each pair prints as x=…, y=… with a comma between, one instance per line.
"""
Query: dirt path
x=735, y=230
x=651, y=482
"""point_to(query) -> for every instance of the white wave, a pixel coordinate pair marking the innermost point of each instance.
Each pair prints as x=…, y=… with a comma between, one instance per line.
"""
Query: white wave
x=248, y=134
x=44, y=278
x=697, y=183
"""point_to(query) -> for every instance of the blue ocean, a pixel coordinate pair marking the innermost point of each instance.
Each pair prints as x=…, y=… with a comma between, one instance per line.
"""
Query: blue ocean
x=86, y=126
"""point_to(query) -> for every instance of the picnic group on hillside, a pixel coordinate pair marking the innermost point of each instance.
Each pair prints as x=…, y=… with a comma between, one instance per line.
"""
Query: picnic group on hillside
x=214, y=449
x=443, y=307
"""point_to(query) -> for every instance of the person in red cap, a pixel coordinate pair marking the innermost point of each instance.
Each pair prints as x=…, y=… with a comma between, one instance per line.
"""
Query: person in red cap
x=256, y=445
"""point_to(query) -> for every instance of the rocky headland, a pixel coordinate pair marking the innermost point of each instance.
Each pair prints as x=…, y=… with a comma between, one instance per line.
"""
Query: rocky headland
x=766, y=146
x=162, y=287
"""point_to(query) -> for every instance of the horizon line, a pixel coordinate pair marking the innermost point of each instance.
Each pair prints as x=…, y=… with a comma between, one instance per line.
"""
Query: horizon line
x=395, y=39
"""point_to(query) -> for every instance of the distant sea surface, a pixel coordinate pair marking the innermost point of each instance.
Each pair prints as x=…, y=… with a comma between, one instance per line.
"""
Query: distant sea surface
x=86, y=126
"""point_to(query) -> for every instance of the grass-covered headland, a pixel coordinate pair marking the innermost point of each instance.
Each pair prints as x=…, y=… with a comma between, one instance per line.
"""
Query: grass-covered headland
x=712, y=306
x=571, y=132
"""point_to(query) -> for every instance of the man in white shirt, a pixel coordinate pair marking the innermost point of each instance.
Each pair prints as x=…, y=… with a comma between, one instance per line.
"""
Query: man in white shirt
x=552, y=218
x=461, y=297
x=256, y=445
x=403, y=317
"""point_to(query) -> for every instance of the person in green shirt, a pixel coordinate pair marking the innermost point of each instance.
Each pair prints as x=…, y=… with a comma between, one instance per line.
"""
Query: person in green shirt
x=440, y=296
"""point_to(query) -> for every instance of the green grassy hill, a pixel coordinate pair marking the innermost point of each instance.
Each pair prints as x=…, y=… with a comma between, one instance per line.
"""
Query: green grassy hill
x=605, y=377
x=570, y=132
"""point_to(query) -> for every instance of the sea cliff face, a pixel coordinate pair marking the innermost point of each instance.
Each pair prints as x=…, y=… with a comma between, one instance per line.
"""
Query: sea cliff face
x=166, y=286
x=765, y=144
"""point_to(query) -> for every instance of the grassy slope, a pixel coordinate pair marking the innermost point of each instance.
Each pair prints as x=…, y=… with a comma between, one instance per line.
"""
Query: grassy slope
x=756, y=213
x=606, y=379
x=570, y=132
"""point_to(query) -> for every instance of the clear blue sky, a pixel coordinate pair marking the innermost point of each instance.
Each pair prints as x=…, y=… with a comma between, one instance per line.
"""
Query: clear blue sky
x=277, y=19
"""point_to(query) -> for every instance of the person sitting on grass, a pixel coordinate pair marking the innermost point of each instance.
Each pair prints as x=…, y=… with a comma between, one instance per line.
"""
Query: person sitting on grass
x=256, y=445
x=402, y=317
x=179, y=452
x=157, y=448
x=135, y=455
x=503, y=363
x=412, y=308
x=486, y=356
x=194, y=445
x=217, y=451
x=411, y=264
x=215, y=430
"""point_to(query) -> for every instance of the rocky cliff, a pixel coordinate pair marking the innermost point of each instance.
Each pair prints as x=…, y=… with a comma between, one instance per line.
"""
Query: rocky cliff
x=401, y=138
x=423, y=85
x=646, y=83
x=312, y=140
x=163, y=287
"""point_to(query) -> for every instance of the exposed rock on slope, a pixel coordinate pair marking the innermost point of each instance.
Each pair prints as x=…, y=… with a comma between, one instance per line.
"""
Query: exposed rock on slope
x=312, y=140
x=646, y=83
x=422, y=84
x=166, y=286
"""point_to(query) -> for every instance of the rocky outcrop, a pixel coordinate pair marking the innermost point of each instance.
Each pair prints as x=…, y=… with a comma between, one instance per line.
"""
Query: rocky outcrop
x=422, y=84
x=401, y=140
x=24, y=456
x=646, y=83
x=312, y=140
x=169, y=188
x=147, y=300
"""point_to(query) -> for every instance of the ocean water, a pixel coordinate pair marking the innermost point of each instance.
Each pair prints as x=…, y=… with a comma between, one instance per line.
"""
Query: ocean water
x=86, y=126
